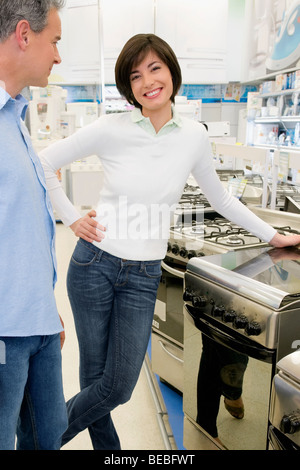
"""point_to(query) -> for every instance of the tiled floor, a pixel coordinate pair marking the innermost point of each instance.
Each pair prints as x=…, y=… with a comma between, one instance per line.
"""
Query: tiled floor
x=136, y=421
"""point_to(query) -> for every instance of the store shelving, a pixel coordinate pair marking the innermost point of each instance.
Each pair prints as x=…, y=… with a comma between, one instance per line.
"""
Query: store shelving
x=273, y=162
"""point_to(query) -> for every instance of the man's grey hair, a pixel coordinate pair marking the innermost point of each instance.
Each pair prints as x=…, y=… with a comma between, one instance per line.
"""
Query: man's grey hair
x=34, y=11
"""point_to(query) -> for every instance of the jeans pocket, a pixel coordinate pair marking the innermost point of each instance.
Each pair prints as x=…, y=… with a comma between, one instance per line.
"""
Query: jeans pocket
x=153, y=270
x=84, y=255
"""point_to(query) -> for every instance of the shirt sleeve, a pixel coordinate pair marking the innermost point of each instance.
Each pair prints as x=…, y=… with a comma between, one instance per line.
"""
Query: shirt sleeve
x=80, y=145
x=225, y=204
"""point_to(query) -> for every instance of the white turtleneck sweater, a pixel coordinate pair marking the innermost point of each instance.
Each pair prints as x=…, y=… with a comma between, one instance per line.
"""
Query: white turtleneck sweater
x=144, y=177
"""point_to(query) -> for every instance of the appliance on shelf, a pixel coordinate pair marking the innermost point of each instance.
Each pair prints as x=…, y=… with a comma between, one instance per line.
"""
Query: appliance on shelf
x=48, y=118
x=286, y=49
x=188, y=108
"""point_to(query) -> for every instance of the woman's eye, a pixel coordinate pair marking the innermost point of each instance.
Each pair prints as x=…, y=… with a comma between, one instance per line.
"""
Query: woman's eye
x=134, y=77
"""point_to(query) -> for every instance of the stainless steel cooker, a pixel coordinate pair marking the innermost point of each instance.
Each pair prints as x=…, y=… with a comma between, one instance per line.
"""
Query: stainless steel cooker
x=197, y=231
x=284, y=429
x=242, y=314
x=205, y=234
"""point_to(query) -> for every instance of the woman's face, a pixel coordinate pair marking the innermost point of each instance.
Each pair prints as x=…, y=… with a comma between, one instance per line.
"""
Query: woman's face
x=151, y=84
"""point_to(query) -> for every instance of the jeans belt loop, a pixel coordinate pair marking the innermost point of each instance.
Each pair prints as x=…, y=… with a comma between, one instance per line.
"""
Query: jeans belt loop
x=142, y=266
x=99, y=255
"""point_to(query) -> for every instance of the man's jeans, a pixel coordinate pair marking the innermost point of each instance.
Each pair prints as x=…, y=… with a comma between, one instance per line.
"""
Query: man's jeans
x=113, y=303
x=32, y=403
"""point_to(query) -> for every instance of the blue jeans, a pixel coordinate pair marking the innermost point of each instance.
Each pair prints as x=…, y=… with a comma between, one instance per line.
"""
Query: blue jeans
x=32, y=404
x=113, y=303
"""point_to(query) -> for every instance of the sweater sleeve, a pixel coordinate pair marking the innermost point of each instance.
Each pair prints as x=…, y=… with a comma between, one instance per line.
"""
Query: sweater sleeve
x=76, y=147
x=225, y=204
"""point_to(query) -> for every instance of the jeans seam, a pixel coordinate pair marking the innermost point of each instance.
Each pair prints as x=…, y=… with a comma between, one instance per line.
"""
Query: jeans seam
x=126, y=279
x=32, y=418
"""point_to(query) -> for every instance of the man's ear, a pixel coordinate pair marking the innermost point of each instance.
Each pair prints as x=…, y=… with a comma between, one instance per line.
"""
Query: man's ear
x=23, y=34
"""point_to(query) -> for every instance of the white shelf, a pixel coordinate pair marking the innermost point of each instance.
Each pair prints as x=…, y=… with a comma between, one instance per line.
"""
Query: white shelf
x=288, y=91
x=257, y=154
x=276, y=119
x=269, y=76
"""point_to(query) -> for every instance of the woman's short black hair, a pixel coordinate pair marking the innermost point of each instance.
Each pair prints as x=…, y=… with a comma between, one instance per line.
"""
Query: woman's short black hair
x=134, y=52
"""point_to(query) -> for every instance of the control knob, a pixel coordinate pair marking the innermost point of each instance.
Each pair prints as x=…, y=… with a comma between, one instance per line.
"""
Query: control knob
x=191, y=254
x=199, y=301
x=228, y=316
x=175, y=249
x=290, y=423
x=218, y=310
x=240, y=321
x=253, y=329
x=183, y=253
x=187, y=295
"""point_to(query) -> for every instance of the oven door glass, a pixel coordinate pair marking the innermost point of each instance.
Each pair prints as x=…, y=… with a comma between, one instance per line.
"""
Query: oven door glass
x=218, y=365
x=168, y=314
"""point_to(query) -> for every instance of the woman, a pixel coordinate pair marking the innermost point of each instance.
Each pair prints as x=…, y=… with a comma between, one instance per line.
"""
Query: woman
x=147, y=156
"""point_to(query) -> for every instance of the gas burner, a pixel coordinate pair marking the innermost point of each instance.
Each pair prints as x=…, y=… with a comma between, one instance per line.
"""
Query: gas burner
x=191, y=230
x=190, y=189
x=191, y=201
x=198, y=229
x=231, y=239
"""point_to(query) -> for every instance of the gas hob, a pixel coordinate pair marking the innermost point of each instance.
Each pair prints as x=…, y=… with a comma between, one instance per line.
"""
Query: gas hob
x=212, y=235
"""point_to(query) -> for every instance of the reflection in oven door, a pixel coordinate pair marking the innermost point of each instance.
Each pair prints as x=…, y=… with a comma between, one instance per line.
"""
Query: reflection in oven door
x=167, y=327
x=219, y=365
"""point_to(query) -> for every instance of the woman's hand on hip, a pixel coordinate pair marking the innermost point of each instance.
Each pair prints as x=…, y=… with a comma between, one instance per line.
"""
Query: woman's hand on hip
x=88, y=228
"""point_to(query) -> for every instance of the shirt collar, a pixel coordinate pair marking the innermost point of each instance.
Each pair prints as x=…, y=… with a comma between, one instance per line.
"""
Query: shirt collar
x=137, y=116
x=20, y=101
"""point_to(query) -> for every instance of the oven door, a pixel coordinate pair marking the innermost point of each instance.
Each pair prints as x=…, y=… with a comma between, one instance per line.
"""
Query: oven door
x=168, y=314
x=167, y=326
x=218, y=363
x=278, y=441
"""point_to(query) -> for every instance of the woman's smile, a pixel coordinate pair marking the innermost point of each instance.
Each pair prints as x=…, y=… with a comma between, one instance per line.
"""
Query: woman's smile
x=153, y=93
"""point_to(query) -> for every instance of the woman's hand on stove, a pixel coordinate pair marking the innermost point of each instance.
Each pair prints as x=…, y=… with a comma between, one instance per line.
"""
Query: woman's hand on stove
x=88, y=228
x=281, y=241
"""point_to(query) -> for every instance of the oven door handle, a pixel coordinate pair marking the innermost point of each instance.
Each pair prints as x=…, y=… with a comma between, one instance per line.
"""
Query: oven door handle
x=242, y=346
x=173, y=271
x=168, y=352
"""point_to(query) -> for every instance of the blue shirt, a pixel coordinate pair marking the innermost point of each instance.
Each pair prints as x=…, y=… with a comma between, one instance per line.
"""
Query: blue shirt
x=27, y=231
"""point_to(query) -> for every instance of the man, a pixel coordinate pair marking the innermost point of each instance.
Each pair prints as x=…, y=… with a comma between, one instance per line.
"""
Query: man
x=32, y=405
